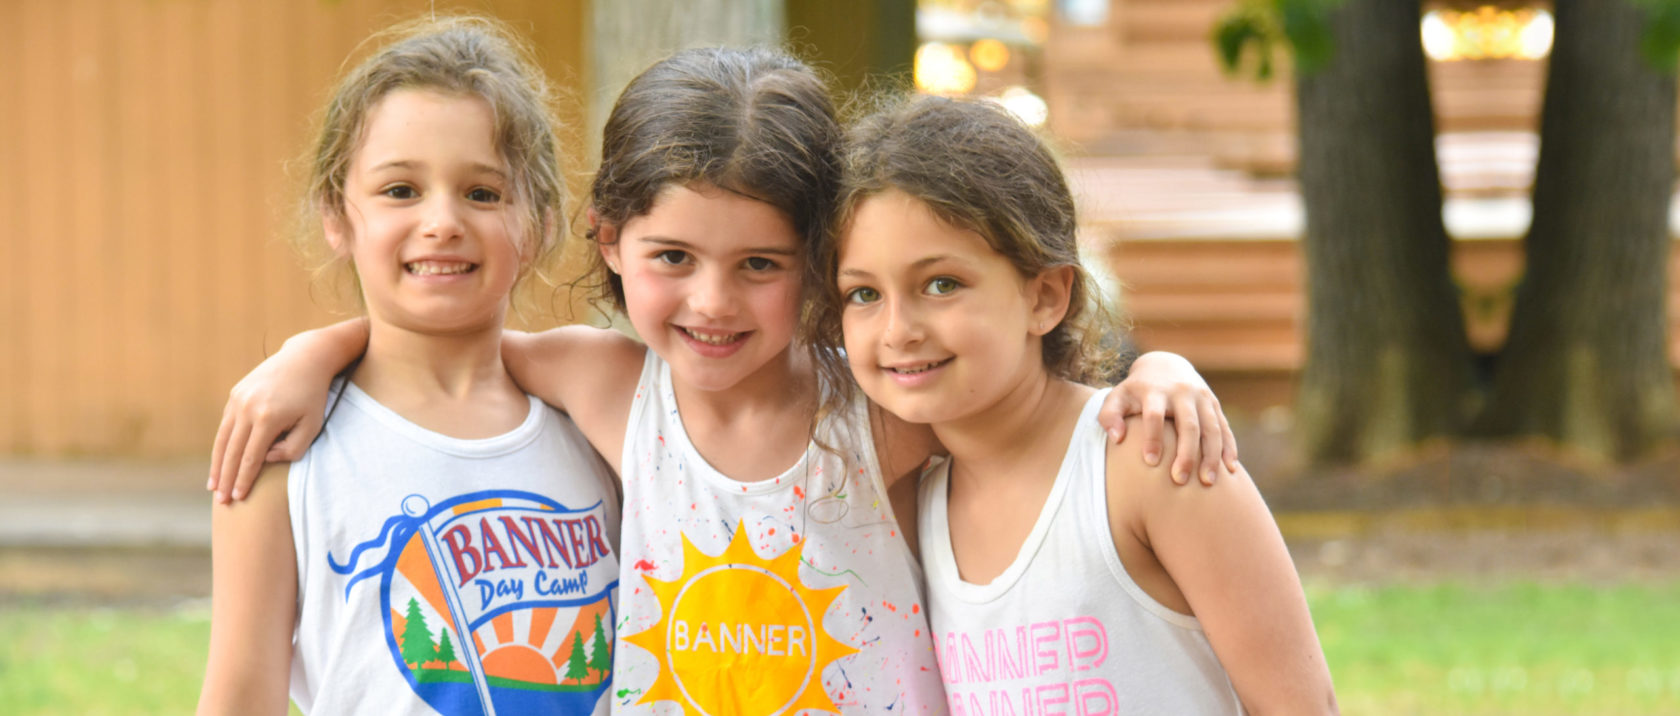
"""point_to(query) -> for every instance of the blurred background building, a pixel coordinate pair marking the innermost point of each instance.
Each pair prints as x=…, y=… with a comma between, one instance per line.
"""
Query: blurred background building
x=146, y=192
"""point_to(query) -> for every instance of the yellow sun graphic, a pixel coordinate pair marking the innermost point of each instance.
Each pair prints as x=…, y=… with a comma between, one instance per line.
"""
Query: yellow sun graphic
x=739, y=634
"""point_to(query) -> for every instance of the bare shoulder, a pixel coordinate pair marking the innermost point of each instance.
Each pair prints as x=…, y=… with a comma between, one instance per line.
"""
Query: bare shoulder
x=1127, y=470
x=268, y=493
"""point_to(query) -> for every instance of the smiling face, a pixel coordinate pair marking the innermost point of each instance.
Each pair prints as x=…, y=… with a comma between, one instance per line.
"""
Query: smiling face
x=429, y=222
x=938, y=326
x=711, y=283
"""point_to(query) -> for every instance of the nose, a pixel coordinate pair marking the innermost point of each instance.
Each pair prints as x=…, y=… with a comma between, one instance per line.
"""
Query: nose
x=442, y=219
x=904, y=325
x=713, y=294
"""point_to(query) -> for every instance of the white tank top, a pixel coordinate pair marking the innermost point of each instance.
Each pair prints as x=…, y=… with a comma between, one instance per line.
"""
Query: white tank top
x=1063, y=629
x=797, y=593
x=439, y=575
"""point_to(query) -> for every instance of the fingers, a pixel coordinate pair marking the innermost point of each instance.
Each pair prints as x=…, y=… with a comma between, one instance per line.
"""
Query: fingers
x=251, y=462
x=223, y=432
x=1213, y=438
x=1154, y=423
x=293, y=442
x=1115, y=408
x=232, y=452
x=1190, y=431
x=1230, y=451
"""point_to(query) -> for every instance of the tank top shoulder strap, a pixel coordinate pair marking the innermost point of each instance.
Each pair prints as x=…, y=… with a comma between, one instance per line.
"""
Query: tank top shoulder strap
x=650, y=387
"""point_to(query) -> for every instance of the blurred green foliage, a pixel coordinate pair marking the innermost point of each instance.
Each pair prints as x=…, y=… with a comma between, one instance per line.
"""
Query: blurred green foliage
x=1661, y=43
x=1248, y=36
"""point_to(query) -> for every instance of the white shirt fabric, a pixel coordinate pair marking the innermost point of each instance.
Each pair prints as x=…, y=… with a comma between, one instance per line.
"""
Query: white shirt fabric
x=504, y=547
x=1063, y=629
x=792, y=594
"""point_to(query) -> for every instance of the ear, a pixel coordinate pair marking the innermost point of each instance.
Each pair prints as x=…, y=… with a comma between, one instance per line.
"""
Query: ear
x=336, y=227
x=606, y=239
x=1050, y=293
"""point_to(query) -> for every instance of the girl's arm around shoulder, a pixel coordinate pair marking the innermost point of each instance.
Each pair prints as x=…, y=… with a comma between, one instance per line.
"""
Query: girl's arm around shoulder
x=590, y=373
x=1220, y=549
x=253, y=603
x=276, y=410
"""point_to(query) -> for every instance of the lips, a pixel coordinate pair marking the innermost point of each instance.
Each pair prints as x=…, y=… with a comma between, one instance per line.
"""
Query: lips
x=712, y=338
x=439, y=267
x=916, y=368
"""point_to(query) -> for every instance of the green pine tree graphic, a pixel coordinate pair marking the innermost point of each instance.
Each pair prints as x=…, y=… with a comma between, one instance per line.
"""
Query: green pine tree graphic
x=576, y=666
x=600, y=656
x=445, y=650
x=417, y=646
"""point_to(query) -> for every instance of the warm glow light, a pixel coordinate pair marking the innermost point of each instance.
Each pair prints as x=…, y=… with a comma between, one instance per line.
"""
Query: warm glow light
x=1487, y=33
x=941, y=69
x=1026, y=106
x=1438, y=37
x=989, y=55
x=1536, y=39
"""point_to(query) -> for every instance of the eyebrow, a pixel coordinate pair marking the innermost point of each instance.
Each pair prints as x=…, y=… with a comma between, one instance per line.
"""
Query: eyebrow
x=476, y=167
x=918, y=264
x=680, y=244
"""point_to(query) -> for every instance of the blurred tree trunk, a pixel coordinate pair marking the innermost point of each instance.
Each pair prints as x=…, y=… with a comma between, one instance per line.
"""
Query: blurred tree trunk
x=1586, y=363
x=1388, y=364
x=867, y=45
x=628, y=35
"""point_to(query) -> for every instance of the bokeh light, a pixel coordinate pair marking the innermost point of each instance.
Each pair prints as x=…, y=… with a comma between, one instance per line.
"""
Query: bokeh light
x=1486, y=33
x=989, y=55
x=941, y=69
x=1026, y=106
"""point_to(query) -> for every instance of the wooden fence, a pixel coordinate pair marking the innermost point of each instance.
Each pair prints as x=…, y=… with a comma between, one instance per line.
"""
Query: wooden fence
x=143, y=201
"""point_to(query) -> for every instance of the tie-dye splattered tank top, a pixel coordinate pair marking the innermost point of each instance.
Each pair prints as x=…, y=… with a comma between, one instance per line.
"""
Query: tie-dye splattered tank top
x=790, y=595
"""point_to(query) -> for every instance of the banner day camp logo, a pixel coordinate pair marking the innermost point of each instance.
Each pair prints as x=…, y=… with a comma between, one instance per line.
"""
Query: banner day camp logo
x=499, y=601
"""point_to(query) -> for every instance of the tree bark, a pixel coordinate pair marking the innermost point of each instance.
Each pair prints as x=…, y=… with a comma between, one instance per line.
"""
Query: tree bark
x=1388, y=364
x=628, y=35
x=1586, y=363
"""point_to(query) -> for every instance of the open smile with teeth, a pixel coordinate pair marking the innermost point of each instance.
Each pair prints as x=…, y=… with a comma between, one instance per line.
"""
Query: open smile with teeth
x=713, y=339
x=438, y=268
x=919, y=368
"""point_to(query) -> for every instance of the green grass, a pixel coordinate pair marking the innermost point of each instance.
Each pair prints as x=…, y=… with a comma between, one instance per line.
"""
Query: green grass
x=101, y=662
x=1520, y=649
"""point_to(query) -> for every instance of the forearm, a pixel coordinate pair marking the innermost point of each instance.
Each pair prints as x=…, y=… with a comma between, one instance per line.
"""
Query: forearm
x=329, y=348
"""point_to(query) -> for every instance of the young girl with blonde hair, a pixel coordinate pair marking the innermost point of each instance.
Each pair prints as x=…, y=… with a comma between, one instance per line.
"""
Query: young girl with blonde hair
x=447, y=543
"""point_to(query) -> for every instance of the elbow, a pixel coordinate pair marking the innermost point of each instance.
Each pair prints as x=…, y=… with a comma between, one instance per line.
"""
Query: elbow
x=1318, y=699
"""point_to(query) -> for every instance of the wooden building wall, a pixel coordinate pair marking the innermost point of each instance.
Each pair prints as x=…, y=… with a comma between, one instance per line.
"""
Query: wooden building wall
x=143, y=201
